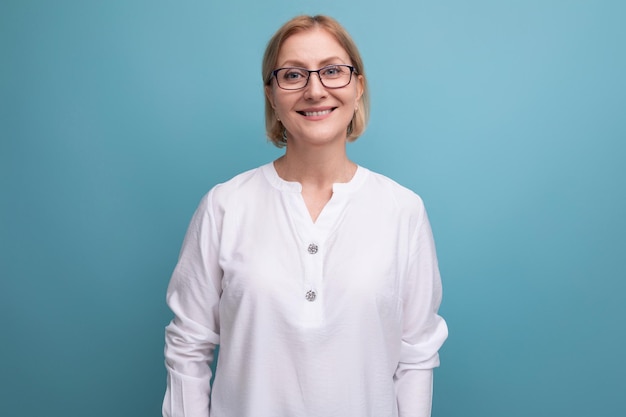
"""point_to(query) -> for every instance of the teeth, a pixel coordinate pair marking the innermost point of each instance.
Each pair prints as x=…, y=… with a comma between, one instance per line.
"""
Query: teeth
x=316, y=113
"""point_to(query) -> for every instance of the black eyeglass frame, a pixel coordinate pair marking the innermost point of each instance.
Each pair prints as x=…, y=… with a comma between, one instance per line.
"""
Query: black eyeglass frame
x=350, y=67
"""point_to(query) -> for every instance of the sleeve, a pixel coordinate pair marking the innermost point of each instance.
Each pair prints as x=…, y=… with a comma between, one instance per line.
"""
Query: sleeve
x=191, y=338
x=424, y=331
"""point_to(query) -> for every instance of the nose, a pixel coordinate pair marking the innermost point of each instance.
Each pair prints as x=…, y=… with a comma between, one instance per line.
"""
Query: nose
x=314, y=88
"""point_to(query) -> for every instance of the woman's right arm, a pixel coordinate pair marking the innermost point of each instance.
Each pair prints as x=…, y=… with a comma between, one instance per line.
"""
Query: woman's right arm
x=191, y=337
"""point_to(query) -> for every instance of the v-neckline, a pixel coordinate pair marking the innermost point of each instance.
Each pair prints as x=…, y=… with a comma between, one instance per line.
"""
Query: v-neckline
x=325, y=217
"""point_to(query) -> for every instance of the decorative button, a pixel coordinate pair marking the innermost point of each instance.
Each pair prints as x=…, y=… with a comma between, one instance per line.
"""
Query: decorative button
x=310, y=295
x=312, y=249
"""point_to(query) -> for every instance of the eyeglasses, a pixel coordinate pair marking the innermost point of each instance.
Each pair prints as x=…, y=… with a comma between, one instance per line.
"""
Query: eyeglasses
x=331, y=76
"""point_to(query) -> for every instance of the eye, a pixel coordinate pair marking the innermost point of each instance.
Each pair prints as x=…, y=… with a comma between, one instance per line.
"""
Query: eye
x=333, y=71
x=293, y=74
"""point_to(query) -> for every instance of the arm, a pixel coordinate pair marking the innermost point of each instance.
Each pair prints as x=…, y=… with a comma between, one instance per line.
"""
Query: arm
x=190, y=339
x=424, y=331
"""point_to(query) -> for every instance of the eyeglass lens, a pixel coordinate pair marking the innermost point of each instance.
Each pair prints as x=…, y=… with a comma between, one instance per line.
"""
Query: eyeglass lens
x=332, y=76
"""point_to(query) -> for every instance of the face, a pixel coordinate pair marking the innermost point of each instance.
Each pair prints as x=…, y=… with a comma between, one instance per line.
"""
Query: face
x=315, y=114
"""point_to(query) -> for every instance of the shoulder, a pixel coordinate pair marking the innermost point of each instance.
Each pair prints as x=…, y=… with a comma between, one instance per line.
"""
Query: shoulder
x=387, y=189
x=242, y=187
x=238, y=182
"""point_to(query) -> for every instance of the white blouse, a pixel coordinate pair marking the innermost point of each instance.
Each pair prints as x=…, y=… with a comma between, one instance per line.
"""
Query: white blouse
x=332, y=318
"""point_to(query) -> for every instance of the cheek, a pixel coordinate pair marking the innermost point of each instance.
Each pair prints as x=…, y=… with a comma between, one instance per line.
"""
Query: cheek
x=280, y=102
x=354, y=97
x=278, y=99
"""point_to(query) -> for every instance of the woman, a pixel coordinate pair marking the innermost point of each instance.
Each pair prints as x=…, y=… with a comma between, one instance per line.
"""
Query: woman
x=317, y=277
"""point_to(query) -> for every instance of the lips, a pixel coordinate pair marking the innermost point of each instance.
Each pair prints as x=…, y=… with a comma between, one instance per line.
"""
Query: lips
x=315, y=113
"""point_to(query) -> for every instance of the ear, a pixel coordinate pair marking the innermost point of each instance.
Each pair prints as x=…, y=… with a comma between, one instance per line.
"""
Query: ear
x=270, y=96
x=359, y=87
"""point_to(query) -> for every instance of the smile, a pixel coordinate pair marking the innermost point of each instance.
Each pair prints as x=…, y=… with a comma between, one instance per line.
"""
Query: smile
x=315, y=113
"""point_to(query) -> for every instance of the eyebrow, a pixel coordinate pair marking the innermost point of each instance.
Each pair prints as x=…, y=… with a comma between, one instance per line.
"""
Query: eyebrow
x=323, y=63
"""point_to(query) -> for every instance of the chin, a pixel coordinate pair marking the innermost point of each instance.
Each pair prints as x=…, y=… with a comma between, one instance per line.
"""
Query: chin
x=324, y=139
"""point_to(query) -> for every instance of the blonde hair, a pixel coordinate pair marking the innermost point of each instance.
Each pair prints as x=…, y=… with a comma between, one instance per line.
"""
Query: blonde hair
x=274, y=128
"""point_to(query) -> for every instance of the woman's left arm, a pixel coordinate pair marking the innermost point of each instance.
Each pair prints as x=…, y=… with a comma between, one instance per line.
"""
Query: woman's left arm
x=424, y=331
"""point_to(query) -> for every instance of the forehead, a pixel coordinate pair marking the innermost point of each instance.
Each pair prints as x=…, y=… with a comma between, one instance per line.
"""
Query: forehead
x=311, y=47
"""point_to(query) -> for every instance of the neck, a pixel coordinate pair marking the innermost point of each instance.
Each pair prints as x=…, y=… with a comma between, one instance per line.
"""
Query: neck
x=319, y=168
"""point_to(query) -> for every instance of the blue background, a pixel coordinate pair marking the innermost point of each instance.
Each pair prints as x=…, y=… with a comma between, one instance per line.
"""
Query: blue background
x=508, y=117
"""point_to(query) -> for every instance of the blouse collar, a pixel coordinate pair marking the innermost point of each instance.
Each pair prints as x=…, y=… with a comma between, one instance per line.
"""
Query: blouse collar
x=295, y=187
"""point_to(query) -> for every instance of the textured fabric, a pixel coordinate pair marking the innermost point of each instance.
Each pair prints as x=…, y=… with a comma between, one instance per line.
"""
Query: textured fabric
x=364, y=346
